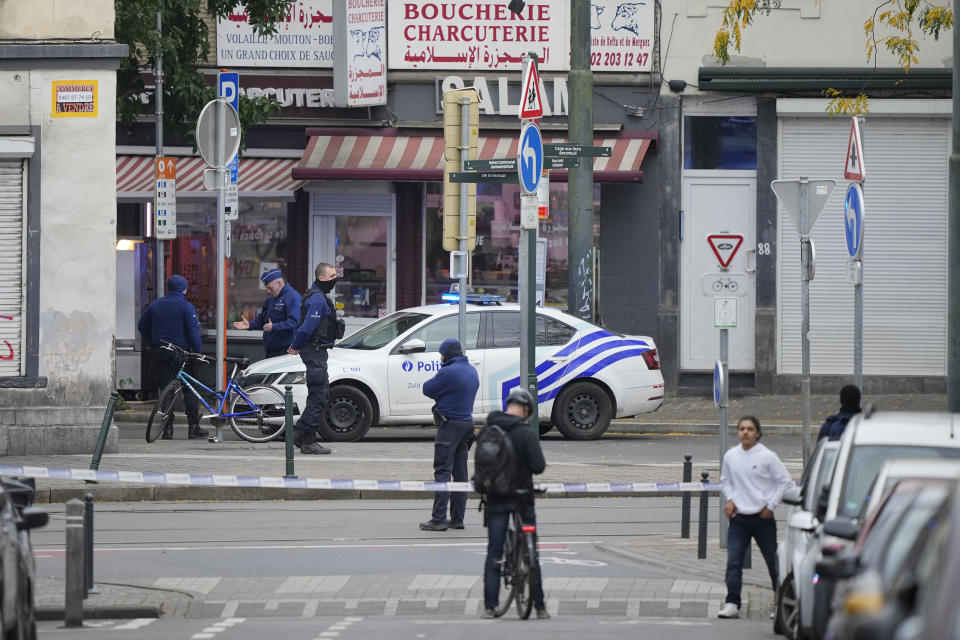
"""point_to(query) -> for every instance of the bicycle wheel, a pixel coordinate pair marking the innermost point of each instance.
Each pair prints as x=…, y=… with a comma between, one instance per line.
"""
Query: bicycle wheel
x=162, y=410
x=257, y=417
x=524, y=578
x=508, y=571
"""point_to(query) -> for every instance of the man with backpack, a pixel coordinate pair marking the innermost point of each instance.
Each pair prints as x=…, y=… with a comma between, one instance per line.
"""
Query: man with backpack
x=319, y=328
x=508, y=454
x=834, y=426
x=454, y=389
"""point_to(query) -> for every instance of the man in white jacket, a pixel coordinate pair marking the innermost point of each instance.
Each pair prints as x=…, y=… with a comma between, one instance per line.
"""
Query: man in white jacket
x=753, y=481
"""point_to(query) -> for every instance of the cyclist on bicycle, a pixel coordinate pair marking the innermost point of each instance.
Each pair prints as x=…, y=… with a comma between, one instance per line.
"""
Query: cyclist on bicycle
x=529, y=459
x=173, y=319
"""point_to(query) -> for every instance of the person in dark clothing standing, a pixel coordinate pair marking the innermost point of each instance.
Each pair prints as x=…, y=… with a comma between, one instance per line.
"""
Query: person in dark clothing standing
x=454, y=389
x=526, y=445
x=311, y=340
x=834, y=425
x=279, y=317
x=172, y=319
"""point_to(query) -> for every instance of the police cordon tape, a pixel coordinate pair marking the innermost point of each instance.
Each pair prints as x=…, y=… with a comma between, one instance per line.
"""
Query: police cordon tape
x=278, y=482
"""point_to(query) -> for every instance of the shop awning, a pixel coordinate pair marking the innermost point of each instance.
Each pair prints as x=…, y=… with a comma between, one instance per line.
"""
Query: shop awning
x=406, y=154
x=257, y=176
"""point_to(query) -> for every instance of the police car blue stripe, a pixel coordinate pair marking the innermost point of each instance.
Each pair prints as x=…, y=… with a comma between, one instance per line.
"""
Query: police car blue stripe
x=593, y=369
x=579, y=360
x=583, y=340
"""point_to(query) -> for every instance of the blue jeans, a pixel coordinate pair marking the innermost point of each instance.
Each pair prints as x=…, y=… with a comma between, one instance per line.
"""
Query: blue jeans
x=742, y=528
x=498, y=516
x=450, y=449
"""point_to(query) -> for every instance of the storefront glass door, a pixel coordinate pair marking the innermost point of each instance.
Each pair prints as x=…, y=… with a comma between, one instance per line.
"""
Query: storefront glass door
x=360, y=247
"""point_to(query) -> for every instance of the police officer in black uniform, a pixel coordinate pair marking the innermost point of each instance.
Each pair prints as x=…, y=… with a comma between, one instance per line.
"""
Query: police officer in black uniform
x=279, y=317
x=311, y=340
x=173, y=319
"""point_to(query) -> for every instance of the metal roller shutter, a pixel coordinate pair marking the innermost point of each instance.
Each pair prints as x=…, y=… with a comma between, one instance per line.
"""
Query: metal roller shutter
x=905, y=248
x=11, y=267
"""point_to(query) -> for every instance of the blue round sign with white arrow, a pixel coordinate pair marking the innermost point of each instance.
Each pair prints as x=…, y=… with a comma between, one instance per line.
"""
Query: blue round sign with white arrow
x=853, y=220
x=530, y=158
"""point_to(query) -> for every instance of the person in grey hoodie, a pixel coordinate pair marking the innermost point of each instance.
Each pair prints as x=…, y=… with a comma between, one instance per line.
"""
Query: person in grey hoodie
x=753, y=480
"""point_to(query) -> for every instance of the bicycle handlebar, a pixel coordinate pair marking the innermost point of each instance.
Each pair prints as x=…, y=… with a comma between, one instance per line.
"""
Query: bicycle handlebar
x=169, y=346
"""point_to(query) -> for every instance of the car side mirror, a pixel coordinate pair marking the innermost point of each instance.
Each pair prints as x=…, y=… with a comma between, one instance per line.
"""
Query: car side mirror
x=32, y=518
x=838, y=567
x=845, y=528
x=414, y=345
x=802, y=520
x=792, y=496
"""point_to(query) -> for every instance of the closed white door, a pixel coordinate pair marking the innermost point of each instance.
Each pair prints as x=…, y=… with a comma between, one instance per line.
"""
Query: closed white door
x=720, y=204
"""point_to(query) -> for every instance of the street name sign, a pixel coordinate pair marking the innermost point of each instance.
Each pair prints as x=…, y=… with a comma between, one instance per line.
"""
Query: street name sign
x=509, y=177
x=574, y=150
x=510, y=164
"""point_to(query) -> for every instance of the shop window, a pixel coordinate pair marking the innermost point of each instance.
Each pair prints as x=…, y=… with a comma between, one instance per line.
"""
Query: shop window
x=720, y=142
x=449, y=327
x=494, y=262
x=258, y=242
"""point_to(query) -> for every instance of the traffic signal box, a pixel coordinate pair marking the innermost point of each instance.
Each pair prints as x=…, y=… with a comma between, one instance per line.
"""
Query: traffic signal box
x=451, y=191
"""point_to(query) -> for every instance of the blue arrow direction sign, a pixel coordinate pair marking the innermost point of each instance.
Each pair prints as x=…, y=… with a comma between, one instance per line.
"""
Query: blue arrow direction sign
x=530, y=158
x=853, y=220
x=719, y=382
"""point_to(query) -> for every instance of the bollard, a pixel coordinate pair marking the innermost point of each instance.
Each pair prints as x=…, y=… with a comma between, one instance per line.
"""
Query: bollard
x=685, y=499
x=88, y=544
x=75, y=587
x=104, y=431
x=704, y=505
x=288, y=428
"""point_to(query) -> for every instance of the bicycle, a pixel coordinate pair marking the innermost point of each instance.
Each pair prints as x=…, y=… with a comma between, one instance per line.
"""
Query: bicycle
x=256, y=414
x=519, y=566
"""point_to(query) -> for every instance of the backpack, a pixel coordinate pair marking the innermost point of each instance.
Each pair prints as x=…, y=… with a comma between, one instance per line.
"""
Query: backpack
x=331, y=328
x=496, y=469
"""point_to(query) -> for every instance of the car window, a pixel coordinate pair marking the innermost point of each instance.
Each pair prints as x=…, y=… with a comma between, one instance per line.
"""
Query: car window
x=824, y=473
x=885, y=522
x=916, y=518
x=505, y=327
x=551, y=332
x=865, y=463
x=383, y=331
x=439, y=330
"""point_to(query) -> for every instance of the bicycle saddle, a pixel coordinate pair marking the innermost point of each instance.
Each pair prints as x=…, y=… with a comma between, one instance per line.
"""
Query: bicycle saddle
x=243, y=363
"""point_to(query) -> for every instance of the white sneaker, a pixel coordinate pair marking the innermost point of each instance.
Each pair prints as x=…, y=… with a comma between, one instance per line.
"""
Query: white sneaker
x=729, y=610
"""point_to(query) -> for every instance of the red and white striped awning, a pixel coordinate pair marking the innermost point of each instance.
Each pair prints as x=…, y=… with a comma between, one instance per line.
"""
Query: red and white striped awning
x=392, y=154
x=256, y=175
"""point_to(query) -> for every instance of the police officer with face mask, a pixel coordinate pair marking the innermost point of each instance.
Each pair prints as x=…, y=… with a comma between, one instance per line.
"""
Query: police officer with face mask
x=279, y=317
x=318, y=330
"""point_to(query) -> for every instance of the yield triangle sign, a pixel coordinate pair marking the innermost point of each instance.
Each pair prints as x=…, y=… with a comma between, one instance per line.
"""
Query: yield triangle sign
x=531, y=103
x=854, y=169
x=725, y=247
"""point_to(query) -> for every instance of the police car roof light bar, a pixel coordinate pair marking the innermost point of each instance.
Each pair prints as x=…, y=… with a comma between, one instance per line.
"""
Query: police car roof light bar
x=474, y=298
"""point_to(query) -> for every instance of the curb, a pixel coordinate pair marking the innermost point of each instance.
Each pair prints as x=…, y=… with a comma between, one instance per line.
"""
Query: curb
x=102, y=612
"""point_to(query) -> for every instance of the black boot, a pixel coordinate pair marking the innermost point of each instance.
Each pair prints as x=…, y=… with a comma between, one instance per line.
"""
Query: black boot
x=167, y=432
x=309, y=445
x=194, y=431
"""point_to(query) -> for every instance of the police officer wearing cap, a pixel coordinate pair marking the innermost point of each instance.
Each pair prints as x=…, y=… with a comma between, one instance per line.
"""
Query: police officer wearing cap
x=454, y=389
x=173, y=319
x=279, y=317
x=311, y=340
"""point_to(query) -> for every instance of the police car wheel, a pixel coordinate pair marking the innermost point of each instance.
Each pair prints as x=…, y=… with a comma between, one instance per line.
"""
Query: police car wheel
x=582, y=411
x=349, y=415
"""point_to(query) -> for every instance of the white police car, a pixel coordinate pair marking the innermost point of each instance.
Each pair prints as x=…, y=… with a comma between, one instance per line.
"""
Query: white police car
x=586, y=375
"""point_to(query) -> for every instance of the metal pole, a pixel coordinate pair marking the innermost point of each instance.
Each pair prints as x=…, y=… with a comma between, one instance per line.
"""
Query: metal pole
x=685, y=498
x=527, y=294
x=858, y=305
x=288, y=427
x=580, y=288
x=805, y=314
x=464, y=212
x=88, y=544
x=953, y=245
x=104, y=431
x=222, y=106
x=702, y=518
x=724, y=426
x=158, y=125
x=74, y=580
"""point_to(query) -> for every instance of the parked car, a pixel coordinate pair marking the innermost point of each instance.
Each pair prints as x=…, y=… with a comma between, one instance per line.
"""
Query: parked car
x=865, y=572
x=17, y=568
x=899, y=469
x=870, y=439
x=796, y=568
x=928, y=586
x=586, y=375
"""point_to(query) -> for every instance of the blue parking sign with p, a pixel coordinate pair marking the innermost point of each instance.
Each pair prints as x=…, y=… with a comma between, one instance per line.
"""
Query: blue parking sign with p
x=228, y=86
